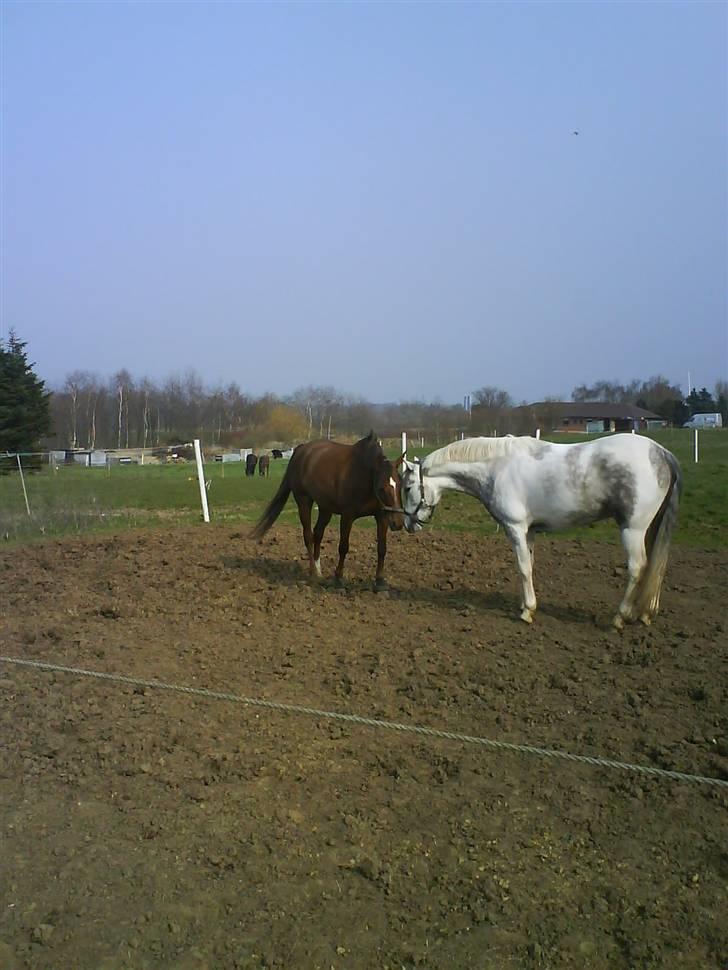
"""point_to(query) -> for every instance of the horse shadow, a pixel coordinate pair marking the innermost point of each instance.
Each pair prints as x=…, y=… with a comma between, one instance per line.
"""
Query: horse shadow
x=289, y=573
x=495, y=601
x=286, y=571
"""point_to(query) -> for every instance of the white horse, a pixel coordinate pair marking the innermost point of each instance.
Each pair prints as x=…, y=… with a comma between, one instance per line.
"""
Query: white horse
x=531, y=486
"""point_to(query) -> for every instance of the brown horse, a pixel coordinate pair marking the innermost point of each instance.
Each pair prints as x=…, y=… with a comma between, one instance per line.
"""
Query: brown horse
x=264, y=465
x=347, y=480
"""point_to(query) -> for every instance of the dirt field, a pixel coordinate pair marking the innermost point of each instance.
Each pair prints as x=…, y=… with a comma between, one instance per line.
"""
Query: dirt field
x=146, y=829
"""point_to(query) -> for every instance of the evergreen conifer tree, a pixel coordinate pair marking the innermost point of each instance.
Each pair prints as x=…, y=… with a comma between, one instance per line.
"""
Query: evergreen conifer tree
x=24, y=402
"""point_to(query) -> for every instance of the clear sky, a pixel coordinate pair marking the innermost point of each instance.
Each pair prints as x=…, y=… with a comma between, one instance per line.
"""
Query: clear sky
x=384, y=197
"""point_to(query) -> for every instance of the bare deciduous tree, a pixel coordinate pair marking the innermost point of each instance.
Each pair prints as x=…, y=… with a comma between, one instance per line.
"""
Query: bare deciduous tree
x=490, y=410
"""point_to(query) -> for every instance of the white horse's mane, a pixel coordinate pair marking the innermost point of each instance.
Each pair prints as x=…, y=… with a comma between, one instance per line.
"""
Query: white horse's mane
x=478, y=449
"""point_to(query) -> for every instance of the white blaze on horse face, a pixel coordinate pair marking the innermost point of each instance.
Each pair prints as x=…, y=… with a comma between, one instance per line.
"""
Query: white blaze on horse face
x=393, y=483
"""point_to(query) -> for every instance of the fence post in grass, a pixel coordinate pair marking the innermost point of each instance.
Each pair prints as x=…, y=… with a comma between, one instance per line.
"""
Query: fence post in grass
x=22, y=480
x=404, y=444
x=696, y=446
x=538, y=434
x=201, y=480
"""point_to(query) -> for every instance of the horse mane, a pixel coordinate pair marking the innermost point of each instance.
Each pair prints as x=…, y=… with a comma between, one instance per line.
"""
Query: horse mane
x=478, y=449
x=368, y=450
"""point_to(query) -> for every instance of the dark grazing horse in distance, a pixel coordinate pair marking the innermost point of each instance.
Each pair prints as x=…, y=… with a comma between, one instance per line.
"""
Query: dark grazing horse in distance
x=251, y=461
x=351, y=481
x=277, y=453
x=264, y=465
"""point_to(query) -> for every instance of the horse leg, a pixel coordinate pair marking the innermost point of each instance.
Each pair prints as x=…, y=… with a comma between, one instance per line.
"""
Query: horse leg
x=530, y=536
x=304, y=513
x=344, y=532
x=523, y=550
x=633, y=541
x=380, y=583
x=318, y=533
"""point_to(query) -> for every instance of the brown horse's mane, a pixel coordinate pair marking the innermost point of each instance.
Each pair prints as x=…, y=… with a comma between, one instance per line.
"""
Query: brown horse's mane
x=369, y=450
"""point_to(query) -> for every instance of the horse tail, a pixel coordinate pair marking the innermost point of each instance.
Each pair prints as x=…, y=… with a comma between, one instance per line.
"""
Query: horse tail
x=274, y=508
x=657, y=544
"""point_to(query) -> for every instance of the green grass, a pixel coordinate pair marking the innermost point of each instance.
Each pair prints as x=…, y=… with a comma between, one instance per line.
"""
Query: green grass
x=76, y=499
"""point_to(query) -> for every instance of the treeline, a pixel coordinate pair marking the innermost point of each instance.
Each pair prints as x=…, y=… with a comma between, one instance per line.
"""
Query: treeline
x=495, y=410
x=126, y=412
x=659, y=395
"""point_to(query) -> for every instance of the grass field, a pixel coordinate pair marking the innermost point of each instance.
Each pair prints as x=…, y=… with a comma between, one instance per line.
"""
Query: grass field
x=76, y=499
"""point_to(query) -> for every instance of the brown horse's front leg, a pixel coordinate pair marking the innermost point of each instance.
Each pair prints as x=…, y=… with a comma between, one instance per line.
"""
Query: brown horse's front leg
x=344, y=532
x=380, y=583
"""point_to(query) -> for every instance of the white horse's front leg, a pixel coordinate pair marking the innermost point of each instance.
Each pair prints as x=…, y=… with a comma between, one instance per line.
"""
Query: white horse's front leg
x=523, y=548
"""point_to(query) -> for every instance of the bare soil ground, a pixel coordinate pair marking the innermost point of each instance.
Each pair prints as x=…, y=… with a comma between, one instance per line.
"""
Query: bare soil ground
x=146, y=829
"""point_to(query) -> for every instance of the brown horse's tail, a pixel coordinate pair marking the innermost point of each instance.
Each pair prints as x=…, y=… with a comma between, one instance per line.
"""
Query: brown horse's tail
x=657, y=544
x=275, y=507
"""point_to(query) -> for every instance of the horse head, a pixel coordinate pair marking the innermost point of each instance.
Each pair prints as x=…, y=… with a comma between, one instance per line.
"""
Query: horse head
x=418, y=501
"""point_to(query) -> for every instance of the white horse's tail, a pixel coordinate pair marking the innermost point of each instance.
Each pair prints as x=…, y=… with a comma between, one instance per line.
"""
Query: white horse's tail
x=657, y=544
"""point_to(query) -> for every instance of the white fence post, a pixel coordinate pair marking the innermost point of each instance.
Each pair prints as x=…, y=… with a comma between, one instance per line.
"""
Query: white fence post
x=22, y=480
x=201, y=480
x=538, y=434
x=696, y=446
x=404, y=444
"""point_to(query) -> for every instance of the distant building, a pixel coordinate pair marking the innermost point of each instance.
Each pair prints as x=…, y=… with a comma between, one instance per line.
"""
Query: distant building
x=228, y=456
x=590, y=417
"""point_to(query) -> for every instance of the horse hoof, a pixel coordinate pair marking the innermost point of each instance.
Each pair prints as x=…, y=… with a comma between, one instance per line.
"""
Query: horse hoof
x=339, y=583
x=618, y=622
x=381, y=586
x=527, y=616
x=646, y=619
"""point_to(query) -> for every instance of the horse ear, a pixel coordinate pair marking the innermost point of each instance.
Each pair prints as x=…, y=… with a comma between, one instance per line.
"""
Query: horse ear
x=400, y=460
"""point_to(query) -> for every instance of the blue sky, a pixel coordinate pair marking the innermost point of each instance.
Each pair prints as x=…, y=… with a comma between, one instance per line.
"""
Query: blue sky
x=386, y=198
